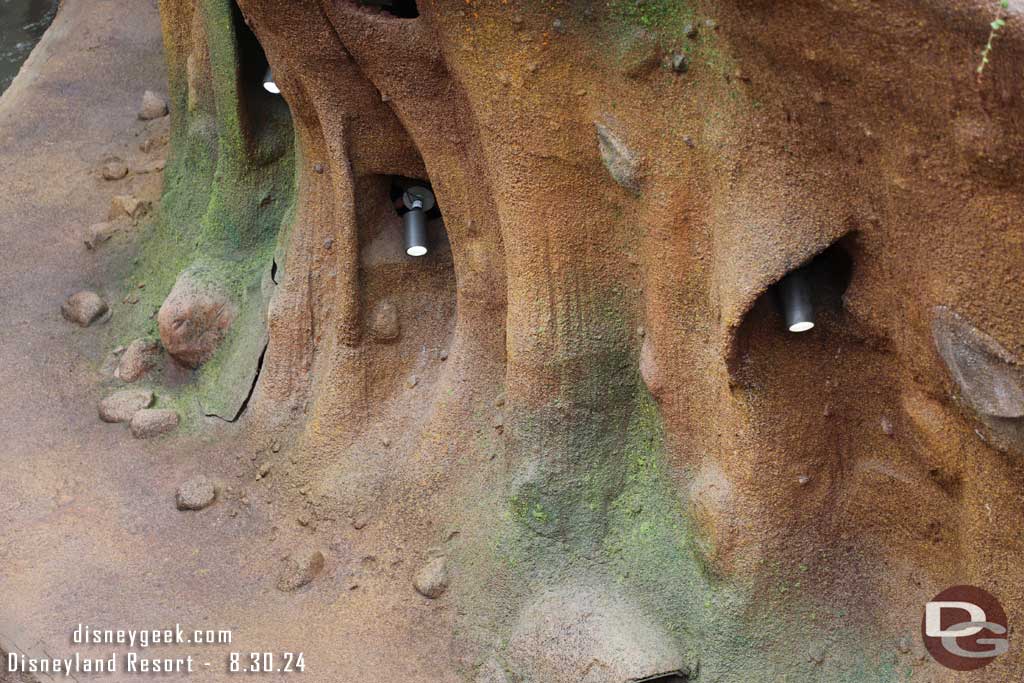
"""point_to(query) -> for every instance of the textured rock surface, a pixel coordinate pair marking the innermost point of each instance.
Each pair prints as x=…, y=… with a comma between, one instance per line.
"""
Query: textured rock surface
x=194, y=319
x=122, y=405
x=724, y=507
x=84, y=308
x=150, y=422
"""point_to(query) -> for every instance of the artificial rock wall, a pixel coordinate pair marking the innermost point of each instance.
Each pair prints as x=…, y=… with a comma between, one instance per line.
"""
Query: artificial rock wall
x=588, y=377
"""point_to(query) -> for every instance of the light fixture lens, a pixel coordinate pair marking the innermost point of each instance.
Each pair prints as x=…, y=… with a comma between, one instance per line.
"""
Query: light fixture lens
x=801, y=327
x=269, y=84
x=416, y=251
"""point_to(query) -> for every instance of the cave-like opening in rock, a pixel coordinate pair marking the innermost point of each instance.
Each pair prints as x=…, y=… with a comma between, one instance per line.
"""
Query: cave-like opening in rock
x=262, y=107
x=815, y=287
x=403, y=9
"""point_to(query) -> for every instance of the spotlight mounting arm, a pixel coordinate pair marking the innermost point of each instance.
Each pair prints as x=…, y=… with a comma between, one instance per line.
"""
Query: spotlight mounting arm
x=418, y=197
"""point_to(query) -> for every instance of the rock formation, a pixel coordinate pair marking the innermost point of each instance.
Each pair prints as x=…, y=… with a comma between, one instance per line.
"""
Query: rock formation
x=612, y=177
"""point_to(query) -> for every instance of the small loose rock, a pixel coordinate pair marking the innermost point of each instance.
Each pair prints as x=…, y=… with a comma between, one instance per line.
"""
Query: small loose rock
x=154, y=166
x=114, y=169
x=680, y=63
x=432, y=580
x=84, y=308
x=153, y=106
x=151, y=422
x=128, y=205
x=141, y=356
x=195, y=494
x=300, y=571
x=121, y=406
x=99, y=233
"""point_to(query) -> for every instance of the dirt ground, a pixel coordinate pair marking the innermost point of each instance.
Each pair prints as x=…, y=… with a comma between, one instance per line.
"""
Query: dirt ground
x=91, y=532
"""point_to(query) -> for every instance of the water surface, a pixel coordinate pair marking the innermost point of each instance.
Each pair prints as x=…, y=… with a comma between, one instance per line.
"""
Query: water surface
x=22, y=23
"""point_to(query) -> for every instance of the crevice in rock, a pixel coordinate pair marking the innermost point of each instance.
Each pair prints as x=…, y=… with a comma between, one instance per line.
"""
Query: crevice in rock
x=273, y=272
x=670, y=677
x=248, y=396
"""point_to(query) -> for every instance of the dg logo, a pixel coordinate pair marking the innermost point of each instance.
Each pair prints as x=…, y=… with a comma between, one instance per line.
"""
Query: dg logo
x=964, y=628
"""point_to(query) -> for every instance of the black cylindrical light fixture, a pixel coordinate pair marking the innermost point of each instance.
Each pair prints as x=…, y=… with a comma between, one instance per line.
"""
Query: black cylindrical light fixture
x=795, y=297
x=418, y=200
x=269, y=84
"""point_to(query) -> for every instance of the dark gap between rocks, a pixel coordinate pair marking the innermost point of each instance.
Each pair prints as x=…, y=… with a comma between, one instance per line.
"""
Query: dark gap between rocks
x=252, y=389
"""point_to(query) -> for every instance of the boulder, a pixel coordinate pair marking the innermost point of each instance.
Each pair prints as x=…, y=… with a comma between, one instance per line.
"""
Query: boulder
x=84, y=308
x=194, y=319
x=122, y=405
x=141, y=356
x=150, y=422
x=153, y=106
x=988, y=376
